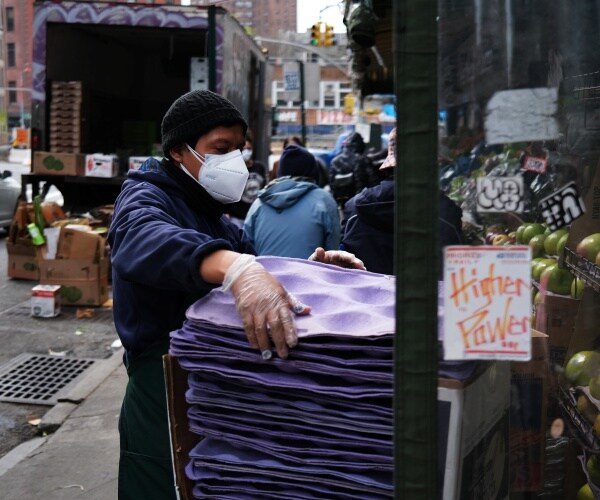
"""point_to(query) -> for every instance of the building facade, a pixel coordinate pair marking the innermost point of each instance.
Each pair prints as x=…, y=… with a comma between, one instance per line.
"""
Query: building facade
x=17, y=24
x=267, y=18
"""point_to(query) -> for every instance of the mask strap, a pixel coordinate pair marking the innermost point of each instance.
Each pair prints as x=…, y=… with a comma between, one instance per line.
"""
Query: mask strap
x=195, y=153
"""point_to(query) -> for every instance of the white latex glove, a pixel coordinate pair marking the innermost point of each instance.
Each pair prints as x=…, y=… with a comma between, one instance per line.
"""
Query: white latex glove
x=264, y=306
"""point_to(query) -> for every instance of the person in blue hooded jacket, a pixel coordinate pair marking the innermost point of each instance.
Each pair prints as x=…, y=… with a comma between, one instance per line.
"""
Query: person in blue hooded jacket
x=293, y=215
x=170, y=245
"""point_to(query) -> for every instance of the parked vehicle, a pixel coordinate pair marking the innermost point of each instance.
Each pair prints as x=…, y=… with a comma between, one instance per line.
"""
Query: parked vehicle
x=10, y=189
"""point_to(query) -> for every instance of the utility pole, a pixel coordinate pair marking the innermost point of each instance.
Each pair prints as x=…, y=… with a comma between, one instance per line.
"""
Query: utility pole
x=302, y=108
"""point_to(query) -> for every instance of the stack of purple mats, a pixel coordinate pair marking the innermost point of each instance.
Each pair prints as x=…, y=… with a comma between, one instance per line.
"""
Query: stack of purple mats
x=315, y=426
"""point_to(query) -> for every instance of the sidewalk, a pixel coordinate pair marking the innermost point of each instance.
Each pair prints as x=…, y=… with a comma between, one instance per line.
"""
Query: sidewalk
x=80, y=459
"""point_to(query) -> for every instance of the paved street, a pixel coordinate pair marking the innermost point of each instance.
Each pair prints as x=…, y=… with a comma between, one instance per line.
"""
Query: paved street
x=86, y=338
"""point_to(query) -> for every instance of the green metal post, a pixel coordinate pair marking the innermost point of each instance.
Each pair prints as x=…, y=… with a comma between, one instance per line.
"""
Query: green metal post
x=416, y=249
x=302, y=108
x=212, y=48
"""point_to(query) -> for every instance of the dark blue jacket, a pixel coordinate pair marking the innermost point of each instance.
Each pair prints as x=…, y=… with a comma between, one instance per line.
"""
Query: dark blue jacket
x=368, y=230
x=368, y=227
x=157, y=243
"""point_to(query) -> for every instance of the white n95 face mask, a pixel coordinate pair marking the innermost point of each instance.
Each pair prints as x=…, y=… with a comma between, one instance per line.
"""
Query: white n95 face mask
x=246, y=154
x=223, y=176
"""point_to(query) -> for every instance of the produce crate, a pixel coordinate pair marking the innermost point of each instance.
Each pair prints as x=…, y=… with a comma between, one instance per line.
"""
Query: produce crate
x=583, y=269
x=582, y=428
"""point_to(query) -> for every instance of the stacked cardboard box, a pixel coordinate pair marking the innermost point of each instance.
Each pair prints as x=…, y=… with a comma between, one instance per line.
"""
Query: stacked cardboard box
x=65, y=117
x=80, y=267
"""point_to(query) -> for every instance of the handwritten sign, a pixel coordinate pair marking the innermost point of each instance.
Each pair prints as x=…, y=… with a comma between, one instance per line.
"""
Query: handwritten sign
x=535, y=164
x=562, y=207
x=487, y=309
x=500, y=194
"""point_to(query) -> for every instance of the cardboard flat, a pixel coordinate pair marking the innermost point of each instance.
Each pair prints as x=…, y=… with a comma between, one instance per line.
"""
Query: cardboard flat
x=473, y=440
x=49, y=163
x=182, y=439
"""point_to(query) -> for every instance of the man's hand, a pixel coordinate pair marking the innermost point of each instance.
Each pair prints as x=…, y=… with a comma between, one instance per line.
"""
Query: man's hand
x=338, y=258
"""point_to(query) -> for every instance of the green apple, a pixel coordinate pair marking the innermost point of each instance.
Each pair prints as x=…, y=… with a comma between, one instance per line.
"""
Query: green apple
x=531, y=230
x=594, y=387
x=536, y=243
x=585, y=493
x=560, y=246
x=593, y=469
x=556, y=280
x=519, y=233
x=540, y=266
x=551, y=241
x=581, y=367
x=589, y=247
x=577, y=289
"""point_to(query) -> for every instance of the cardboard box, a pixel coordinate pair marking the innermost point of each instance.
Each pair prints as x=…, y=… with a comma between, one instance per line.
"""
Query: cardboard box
x=528, y=424
x=50, y=163
x=98, y=165
x=473, y=444
x=22, y=261
x=45, y=301
x=83, y=282
x=78, y=244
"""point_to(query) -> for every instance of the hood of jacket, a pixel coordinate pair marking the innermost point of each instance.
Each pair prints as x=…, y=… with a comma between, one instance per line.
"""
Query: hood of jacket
x=354, y=143
x=375, y=206
x=285, y=192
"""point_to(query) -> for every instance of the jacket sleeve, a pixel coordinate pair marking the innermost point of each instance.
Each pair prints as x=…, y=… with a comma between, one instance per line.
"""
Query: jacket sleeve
x=332, y=225
x=152, y=244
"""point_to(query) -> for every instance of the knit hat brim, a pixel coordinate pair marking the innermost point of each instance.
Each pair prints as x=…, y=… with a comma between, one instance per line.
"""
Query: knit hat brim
x=195, y=114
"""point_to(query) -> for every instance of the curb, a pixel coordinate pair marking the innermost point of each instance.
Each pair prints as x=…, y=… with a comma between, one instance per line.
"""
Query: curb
x=56, y=416
x=14, y=456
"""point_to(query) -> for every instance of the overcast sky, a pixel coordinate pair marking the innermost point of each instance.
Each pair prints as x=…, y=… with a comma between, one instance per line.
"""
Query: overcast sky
x=308, y=14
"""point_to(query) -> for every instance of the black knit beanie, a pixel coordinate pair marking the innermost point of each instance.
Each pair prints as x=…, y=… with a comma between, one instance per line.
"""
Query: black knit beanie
x=296, y=161
x=196, y=113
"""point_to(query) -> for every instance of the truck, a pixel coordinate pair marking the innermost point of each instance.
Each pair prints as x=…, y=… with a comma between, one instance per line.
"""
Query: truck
x=131, y=61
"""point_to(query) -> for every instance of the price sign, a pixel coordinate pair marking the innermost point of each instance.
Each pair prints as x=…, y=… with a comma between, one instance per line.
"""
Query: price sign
x=535, y=164
x=487, y=305
x=562, y=207
x=500, y=194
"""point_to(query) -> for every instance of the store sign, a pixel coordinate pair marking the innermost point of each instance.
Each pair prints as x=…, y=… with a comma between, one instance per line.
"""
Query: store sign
x=287, y=116
x=535, y=164
x=291, y=81
x=333, y=118
x=522, y=115
x=487, y=303
x=562, y=207
x=500, y=194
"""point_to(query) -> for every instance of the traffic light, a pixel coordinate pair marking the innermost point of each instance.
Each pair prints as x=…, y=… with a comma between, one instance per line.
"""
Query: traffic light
x=315, y=34
x=329, y=36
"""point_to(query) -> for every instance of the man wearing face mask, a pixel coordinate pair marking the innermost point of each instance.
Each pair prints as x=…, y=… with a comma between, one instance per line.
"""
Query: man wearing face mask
x=257, y=179
x=170, y=245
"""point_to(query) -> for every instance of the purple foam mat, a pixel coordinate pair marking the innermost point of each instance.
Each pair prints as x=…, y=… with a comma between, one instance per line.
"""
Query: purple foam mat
x=225, y=457
x=343, y=301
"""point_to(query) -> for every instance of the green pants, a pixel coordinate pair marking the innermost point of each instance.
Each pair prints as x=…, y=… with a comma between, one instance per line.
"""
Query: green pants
x=145, y=466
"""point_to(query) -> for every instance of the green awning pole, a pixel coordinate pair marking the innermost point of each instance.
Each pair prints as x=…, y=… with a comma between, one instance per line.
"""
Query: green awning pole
x=416, y=249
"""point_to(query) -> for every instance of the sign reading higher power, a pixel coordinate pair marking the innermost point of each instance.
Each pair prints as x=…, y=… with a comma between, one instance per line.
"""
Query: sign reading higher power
x=487, y=306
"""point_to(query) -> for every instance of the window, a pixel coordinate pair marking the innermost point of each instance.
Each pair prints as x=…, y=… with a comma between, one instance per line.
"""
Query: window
x=10, y=19
x=331, y=94
x=11, y=59
x=12, y=92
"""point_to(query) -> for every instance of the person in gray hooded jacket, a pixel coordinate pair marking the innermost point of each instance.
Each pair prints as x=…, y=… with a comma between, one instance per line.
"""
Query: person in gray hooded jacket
x=293, y=215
